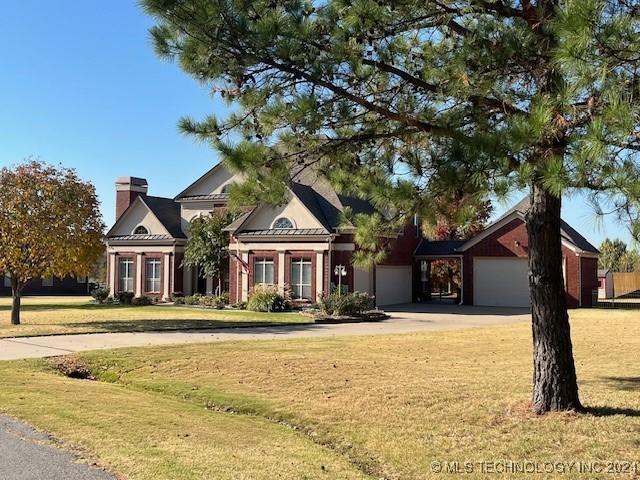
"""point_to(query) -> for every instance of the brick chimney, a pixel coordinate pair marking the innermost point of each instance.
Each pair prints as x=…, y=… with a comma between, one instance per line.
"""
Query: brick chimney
x=127, y=189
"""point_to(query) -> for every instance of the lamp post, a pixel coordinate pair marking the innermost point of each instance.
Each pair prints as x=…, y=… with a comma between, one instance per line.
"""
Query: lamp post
x=340, y=271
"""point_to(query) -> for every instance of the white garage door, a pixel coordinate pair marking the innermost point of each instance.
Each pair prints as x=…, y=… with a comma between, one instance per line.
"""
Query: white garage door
x=393, y=285
x=501, y=282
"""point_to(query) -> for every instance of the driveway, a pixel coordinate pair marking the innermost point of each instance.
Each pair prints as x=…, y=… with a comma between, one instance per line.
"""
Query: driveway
x=31, y=455
x=404, y=319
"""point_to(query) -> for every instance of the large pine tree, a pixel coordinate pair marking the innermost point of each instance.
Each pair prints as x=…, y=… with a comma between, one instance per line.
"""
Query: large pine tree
x=531, y=94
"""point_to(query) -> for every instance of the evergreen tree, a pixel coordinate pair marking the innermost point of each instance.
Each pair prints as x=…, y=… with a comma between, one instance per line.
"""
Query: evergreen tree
x=532, y=93
x=611, y=251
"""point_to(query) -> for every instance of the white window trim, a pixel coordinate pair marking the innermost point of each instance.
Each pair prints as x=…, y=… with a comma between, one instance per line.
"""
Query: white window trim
x=131, y=262
x=157, y=261
x=293, y=224
x=143, y=226
x=226, y=186
x=262, y=262
x=48, y=280
x=302, y=261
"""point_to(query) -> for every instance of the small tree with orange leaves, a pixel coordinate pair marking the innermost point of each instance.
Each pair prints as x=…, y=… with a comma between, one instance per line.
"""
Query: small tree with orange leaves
x=50, y=224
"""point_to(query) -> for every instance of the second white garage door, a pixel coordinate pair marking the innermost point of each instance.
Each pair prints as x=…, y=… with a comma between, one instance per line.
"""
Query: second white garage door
x=393, y=285
x=501, y=282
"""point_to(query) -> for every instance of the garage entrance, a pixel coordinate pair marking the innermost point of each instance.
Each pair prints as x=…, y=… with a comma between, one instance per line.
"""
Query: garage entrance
x=393, y=284
x=501, y=282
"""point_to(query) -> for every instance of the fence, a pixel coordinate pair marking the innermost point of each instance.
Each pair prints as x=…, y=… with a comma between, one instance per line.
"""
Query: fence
x=626, y=291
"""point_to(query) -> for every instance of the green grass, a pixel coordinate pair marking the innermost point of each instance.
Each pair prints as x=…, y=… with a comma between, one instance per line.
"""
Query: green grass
x=63, y=315
x=386, y=406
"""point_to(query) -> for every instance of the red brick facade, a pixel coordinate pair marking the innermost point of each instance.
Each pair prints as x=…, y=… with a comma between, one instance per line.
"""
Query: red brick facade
x=512, y=241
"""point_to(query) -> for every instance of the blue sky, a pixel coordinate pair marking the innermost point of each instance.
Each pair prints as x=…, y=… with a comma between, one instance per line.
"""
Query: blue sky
x=81, y=86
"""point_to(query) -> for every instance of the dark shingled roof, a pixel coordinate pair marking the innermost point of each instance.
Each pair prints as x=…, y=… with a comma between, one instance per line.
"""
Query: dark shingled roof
x=168, y=212
x=567, y=231
x=439, y=248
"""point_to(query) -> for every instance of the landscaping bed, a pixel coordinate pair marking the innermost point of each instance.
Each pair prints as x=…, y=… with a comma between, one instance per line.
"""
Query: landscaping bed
x=374, y=316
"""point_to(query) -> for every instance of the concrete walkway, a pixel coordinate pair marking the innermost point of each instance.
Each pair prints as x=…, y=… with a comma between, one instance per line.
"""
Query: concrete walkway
x=404, y=319
x=31, y=455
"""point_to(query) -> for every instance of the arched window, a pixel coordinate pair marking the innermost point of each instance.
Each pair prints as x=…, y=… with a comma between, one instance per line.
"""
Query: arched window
x=141, y=230
x=227, y=188
x=282, y=223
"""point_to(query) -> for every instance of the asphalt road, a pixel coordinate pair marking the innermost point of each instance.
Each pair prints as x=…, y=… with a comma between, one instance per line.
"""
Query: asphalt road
x=26, y=454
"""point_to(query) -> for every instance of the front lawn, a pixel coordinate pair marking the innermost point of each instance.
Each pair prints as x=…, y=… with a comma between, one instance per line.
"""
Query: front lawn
x=348, y=407
x=60, y=315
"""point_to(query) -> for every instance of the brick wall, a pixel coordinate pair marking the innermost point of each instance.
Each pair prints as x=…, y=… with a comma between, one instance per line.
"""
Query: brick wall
x=512, y=241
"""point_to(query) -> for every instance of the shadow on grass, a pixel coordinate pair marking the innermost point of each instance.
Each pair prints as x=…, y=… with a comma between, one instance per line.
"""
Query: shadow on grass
x=25, y=307
x=612, y=411
x=173, y=325
x=628, y=384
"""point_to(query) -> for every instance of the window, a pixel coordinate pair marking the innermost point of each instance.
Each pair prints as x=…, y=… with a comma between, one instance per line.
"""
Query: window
x=282, y=223
x=7, y=280
x=81, y=279
x=47, y=281
x=141, y=230
x=126, y=274
x=227, y=188
x=263, y=271
x=301, y=278
x=152, y=282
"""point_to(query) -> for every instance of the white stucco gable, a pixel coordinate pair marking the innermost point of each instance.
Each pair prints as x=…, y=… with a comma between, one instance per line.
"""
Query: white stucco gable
x=138, y=214
x=263, y=217
x=211, y=183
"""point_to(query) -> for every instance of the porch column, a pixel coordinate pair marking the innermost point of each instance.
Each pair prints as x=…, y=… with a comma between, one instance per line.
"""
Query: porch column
x=281, y=268
x=166, y=289
x=139, y=274
x=187, y=280
x=319, y=273
x=209, y=285
x=245, y=278
x=113, y=274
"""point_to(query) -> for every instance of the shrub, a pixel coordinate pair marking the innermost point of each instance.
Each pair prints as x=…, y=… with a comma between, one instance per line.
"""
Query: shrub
x=178, y=300
x=100, y=294
x=124, y=298
x=212, y=301
x=142, y=301
x=193, y=299
x=349, y=304
x=224, y=298
x=266, y=298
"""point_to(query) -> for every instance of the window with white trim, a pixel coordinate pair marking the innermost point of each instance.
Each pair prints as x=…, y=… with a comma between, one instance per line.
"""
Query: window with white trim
x=152, y=276
x=125, y=270
x=263, y=271
x=47, y=281
x=141, y=230
x=282, y=223
x=227, y=188
x=301, y=278
x=7, y=280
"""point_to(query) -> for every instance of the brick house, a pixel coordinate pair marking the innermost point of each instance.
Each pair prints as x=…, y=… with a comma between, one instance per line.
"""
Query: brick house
x=300, y=243
x=494, y=262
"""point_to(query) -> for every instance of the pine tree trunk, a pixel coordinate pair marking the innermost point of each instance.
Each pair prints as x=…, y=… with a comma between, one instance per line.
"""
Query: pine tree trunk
x=555, y=386
x=15, y=305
